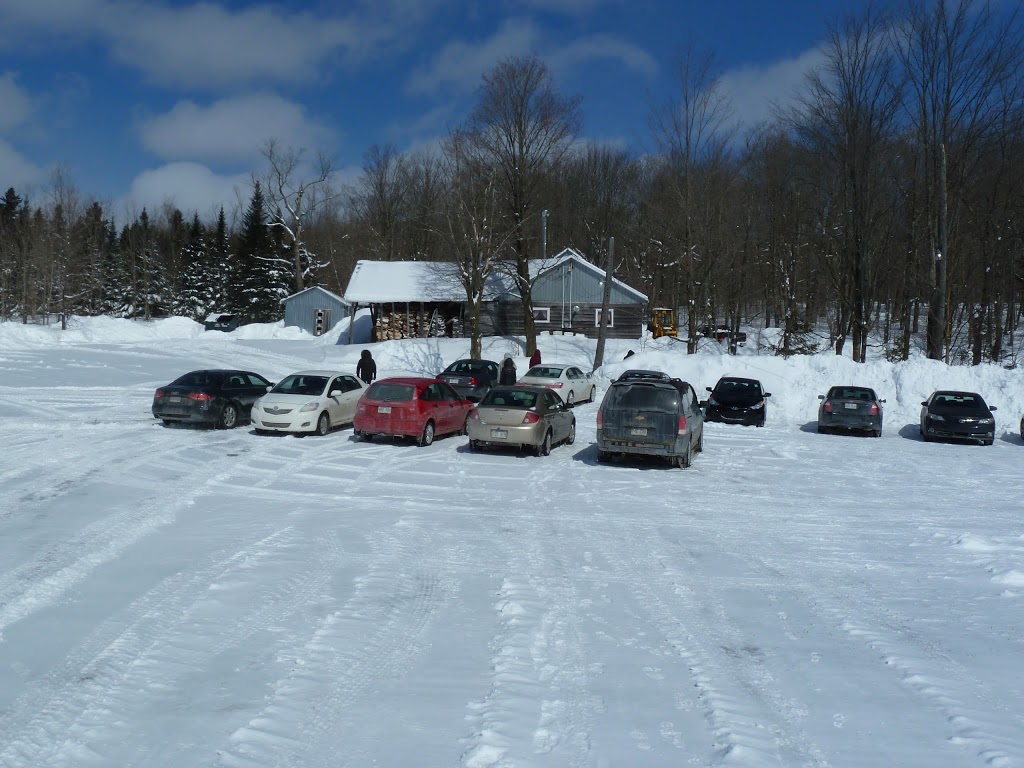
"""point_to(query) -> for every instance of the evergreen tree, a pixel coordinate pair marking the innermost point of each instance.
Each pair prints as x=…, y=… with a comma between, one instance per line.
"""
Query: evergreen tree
x=197, y=296
x=260, y=282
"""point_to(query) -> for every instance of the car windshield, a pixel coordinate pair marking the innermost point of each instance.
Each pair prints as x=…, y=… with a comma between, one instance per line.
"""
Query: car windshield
x=510, y=398
x=958, y=399
x=465, y=366
x=298, y=384
x=200, y=379
x=737, y=387
x=544, y=372
x=643, y=397
x=851, y=393
x=390, y=392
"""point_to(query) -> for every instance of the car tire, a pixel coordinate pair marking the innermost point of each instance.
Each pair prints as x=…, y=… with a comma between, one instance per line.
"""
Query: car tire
x=684, y=461
x=822, y=430
x=544, y=449
x=572, y=433
x=700, y=441
x=167, y=422
x=465, y=426
x=427, y=436
x=593, y=394
x=987, y=442
x=474, y=446
x=228, y=417
x=570, y=399
x=877, y=433
x=603, y=456
x=323, y=424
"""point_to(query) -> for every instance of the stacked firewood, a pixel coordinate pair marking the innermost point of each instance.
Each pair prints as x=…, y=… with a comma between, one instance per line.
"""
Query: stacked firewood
x=396, y=325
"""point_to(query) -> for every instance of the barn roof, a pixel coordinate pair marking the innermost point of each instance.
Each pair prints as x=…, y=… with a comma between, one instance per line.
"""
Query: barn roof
x=382, y=282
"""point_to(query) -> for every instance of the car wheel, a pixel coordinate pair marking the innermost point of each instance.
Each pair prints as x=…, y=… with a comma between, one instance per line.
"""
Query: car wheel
x=572, y=433
x=822, y=430
x=686, y=459
x=544, y=449
x=474, y=446
x=570, y=399
x=228, y=417
x=323, y=424
x=986, y=442
x=428, y=434
x=593, y=394
x=465, y=426
x=167, y=422
x=760, y=423
x=604, y=457
x=877, y=433
x=700, y=441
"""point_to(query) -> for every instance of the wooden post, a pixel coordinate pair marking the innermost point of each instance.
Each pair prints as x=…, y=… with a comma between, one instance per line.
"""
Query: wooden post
x=606, y=301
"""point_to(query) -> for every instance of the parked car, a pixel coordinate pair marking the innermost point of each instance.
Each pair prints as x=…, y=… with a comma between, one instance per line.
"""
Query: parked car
x=521, y=416
x=220, y=398
x=636, y=374
x=650, y=417
x=957, y=416
x=737, y=401
x=568, y=381
x=218, y=321
x=411, y=407
x=308, y=402
x=472, y=378
x=850, y=408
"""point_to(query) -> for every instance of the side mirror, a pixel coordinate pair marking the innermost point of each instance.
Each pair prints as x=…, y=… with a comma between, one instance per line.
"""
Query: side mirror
x=881, y=401
x=334, y=393
x=767, y=394
x=992, y=408
x=822, y=397
x=924, y=402
x=708, y=389
x=270, y=387
x=703, y=403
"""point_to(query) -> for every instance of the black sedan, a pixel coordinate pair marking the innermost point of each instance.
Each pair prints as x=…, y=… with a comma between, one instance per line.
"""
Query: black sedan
x=472, y=378
x=737, y=401
x=220, y=398
x=957, y=416
x=856, y=409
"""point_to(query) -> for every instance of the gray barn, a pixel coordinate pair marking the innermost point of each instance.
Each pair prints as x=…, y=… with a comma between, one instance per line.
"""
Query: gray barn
x=315, y=310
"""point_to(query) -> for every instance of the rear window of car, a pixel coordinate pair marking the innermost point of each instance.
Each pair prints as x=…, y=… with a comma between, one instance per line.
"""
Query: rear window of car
x=508, y=398
x=737, y=386
x=390, y=392
x=544, y=372
x=465, y=367
x=200, y=379
x=643, y=397
x=851, y=393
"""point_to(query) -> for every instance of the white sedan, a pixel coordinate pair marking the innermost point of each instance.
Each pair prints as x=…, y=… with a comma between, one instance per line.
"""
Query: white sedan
x=308, y=401
x=568, y=381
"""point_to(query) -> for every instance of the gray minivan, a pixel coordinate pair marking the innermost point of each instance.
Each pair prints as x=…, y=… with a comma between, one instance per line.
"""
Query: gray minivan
x=650, y=417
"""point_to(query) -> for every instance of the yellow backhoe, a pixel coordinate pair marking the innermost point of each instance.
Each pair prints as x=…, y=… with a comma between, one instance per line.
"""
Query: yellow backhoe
x=663, y=322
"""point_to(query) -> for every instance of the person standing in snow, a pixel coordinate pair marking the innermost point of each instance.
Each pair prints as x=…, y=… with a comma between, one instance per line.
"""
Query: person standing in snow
x=535, y=357
x=366, y=368
x=507, y=377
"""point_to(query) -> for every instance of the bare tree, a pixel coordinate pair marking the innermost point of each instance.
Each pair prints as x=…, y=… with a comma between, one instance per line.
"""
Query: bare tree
x=957, y=55
x=297, y=194
x=524, y=127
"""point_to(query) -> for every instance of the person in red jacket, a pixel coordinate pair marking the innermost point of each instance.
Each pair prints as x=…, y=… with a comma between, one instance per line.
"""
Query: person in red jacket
x=535, y=357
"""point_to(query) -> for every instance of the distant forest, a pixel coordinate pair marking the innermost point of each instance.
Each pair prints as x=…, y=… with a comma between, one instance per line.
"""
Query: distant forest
x=884, y=203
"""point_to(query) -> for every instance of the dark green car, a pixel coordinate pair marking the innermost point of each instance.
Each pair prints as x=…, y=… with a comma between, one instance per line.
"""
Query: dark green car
x=850, y=409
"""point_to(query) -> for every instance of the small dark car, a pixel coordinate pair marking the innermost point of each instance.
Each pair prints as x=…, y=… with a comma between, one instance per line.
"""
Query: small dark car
x=471, y=378
x=856, y=409
x=737, y=401
x=957, y=416
x=221, y=322
x=220, y=398
x=650, y=417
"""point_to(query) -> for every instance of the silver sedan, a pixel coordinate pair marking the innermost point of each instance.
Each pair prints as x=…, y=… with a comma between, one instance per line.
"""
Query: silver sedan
x=533, y=417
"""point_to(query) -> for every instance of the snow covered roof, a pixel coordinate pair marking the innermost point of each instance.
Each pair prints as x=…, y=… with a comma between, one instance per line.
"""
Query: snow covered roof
x=382, y=282
x=539, y=266
x=315, y=288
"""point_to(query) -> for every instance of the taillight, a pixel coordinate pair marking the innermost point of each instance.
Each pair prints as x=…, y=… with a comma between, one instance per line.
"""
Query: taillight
x=827, y=407
x=600, y=419
x=556, y=385
x=473, y=381
x=474, y=415
x=682, y=425
x=200, y=397
x=531, y=418
x=874, y=409
x=159, y=393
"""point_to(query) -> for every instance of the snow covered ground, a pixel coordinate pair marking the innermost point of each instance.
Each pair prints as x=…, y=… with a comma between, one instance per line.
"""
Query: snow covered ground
x=185, y=598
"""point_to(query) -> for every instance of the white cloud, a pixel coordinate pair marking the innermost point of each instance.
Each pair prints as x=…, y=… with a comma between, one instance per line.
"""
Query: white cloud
x=202, y=44
x=460, y=65
x=16, y=170
x=579, y=52
x=754, y=90
x=230, y=129
x=189, y=186
x=16, y=104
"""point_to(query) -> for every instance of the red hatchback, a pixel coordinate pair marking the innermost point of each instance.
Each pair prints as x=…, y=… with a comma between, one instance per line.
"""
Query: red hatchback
x=411, y=407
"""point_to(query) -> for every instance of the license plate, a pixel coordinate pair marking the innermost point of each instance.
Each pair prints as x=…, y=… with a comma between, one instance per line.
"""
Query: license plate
x=851, y=406
x=639, y=431
x=499, y=433
x=383, y=409
x=174, y=399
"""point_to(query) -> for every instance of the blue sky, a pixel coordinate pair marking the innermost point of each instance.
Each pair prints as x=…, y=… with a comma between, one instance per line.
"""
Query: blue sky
x=142, y=101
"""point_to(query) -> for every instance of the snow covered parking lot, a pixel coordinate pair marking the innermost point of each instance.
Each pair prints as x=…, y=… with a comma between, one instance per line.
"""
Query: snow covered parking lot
x=180, y=597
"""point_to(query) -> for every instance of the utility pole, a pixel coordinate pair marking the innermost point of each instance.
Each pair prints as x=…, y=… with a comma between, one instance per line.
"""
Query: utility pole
x=606, y=300
x=544, y=235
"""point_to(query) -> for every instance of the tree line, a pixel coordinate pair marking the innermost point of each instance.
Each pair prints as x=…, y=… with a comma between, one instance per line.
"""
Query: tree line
x=883, y=203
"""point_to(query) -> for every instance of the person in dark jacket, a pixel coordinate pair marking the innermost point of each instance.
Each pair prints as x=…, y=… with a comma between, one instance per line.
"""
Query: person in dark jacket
x=507, y=377
x=366, y=368
x=535, y=357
